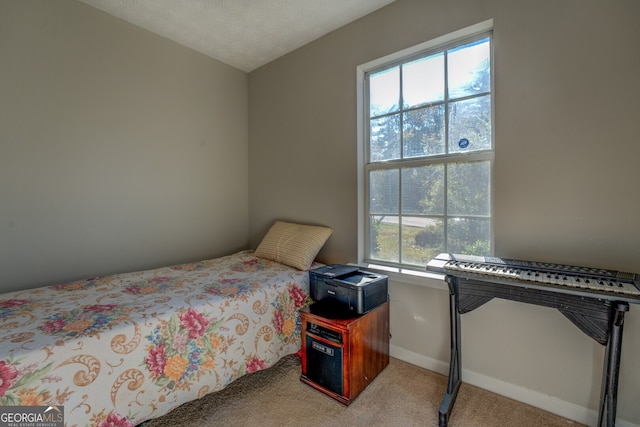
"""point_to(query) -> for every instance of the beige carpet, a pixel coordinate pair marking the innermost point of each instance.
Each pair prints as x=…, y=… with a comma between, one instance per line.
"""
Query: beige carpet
x=402, y=395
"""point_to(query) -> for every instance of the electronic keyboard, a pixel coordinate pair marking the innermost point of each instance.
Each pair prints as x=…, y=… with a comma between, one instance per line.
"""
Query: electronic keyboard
x=584, y=281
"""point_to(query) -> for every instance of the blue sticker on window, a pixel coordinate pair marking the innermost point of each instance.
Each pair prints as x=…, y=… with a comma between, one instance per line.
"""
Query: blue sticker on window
x=463, y=143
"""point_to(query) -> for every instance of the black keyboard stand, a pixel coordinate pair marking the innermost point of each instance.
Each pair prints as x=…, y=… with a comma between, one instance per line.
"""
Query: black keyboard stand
x=602, y=320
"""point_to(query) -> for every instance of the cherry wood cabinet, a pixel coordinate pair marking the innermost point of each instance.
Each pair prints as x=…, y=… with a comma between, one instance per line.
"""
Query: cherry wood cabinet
x=343, y=353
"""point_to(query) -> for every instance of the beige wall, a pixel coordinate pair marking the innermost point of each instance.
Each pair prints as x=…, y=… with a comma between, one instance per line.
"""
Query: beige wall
x=119, y=149
x=567, y=104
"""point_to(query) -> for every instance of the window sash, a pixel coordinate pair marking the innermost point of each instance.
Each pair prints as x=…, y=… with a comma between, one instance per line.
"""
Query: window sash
x=484, y=156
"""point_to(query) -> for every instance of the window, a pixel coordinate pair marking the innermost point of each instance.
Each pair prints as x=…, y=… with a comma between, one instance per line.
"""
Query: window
x=428, y=154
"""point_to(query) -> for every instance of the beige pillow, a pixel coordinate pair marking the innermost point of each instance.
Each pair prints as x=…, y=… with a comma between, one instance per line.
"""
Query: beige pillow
x=295, y=245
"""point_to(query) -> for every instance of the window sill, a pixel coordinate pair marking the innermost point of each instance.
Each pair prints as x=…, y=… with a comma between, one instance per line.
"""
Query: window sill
x=412, y=277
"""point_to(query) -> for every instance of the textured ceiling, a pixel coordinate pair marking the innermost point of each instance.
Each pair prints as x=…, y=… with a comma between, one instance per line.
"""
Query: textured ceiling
x=245, y=34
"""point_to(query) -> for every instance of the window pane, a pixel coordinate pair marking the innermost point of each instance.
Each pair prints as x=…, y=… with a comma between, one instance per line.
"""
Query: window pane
x=469, y=69
x=422, y=239
x=384, y=92
x=469, y=236
x=470, y=125
x=423, y=81
x=384, y=191
x=424, y=195
x=423, y=190
x=384, y=236
x=385, y=138
x=424, y=132
x=468, y=188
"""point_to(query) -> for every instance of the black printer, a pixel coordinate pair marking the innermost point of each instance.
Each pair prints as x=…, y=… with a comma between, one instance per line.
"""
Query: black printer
x=355, y=290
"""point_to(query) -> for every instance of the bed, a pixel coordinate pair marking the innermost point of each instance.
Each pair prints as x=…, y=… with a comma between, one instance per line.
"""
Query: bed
x=121, y=349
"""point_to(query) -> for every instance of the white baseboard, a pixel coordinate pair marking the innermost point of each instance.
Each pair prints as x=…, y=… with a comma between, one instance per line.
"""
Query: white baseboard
x=522, y=394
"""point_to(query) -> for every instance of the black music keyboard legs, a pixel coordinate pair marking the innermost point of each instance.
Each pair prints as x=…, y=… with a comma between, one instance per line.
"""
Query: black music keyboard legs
x=611, y=370
x=455, y=377
x=609, y=387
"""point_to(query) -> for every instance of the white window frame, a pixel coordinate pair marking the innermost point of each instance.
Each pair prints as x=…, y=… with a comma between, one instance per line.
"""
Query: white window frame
x=362, y=131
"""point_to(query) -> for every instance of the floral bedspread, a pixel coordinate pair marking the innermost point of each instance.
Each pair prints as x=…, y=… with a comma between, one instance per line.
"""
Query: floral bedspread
x=118, y=350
